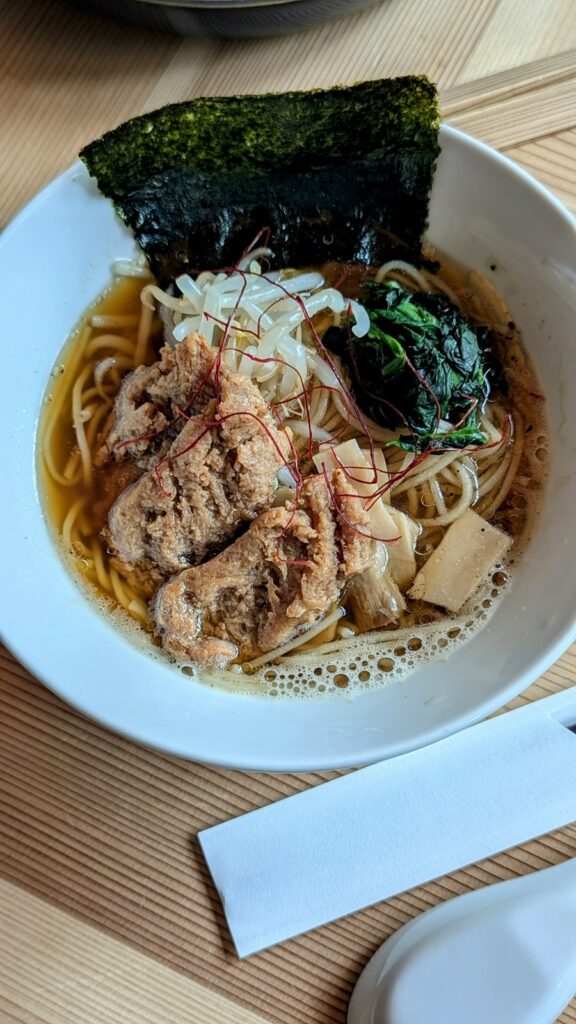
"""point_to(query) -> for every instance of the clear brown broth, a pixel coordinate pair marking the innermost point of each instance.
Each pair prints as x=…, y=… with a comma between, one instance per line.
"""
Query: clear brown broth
x=109, y=480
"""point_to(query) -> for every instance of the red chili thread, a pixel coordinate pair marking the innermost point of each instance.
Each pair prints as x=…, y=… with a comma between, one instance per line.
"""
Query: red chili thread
x=507, y=433
x=223, y=323
x=169, y=459
x=422, y=380
x=439, y=445
x=264, y=234
x=346, y=393
x=295, y=461
x=349, y=402
x=282, y=362
x=309, y=391
x=346, y=470
x=182, y=413
x=395, y=478
x=345, y=273
x=209, y=426
x=372, y=394
x=145, y=437
x=224, y=338
x=157, y=433
x=344, y=518
x=304, y=393
x=298, y=562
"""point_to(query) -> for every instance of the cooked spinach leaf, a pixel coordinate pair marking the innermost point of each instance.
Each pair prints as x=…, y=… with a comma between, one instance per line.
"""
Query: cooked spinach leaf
x=338, y=174
x=462, y=437
x=421, y=367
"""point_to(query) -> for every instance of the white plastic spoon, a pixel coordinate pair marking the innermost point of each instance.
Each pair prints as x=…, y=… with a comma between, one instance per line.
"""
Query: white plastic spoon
x=505, y=954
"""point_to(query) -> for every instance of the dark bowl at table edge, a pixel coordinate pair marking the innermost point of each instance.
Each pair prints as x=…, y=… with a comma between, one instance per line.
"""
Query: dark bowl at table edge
x=229, y=18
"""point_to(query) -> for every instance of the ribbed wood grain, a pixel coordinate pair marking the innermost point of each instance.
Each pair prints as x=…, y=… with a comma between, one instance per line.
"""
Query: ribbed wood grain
x=56, y=969
x=520, y=32
x=552, y=159
x=107, y=913
x=508, y=83
x=69, y=75
x=515, y=120
x=105, y=830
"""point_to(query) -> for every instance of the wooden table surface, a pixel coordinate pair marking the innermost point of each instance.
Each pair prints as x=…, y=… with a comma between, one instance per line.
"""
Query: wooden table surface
x=106, y=910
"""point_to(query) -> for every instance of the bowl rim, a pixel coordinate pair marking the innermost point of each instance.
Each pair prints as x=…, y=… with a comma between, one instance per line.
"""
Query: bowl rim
x=32, y=659
x=217, y=5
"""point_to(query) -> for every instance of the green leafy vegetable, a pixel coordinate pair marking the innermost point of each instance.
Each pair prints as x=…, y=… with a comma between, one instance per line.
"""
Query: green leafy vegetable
x=421, y=366
x=341, y=174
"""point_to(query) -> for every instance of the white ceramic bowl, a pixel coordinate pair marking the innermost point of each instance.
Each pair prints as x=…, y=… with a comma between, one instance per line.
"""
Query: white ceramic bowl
x=54, y=260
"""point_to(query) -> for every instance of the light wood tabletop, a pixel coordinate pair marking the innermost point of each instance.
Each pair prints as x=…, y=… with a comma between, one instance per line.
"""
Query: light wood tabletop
x=107, y=913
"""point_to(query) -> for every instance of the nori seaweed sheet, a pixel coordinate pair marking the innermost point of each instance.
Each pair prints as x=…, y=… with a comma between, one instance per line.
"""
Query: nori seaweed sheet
x=339, y=174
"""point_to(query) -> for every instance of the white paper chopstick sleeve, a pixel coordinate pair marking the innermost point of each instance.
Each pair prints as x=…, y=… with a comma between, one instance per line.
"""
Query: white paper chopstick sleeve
x=346, y=844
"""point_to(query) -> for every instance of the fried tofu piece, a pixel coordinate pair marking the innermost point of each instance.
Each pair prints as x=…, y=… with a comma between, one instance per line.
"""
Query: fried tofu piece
x=276, y=581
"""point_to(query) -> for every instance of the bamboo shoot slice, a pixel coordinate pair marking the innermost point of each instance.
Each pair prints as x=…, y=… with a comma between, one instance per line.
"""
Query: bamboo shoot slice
x=401, y=556
x=350, y=456
x=466, y=554
x=383, y=474
x=360, y=474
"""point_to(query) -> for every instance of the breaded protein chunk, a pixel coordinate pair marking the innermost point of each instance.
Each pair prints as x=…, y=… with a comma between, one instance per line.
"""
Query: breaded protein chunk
x=219, y=473
x=277, y=580
x=148, y=409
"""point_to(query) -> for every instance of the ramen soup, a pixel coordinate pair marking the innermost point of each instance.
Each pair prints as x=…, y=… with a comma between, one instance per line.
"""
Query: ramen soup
x=299, y=482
